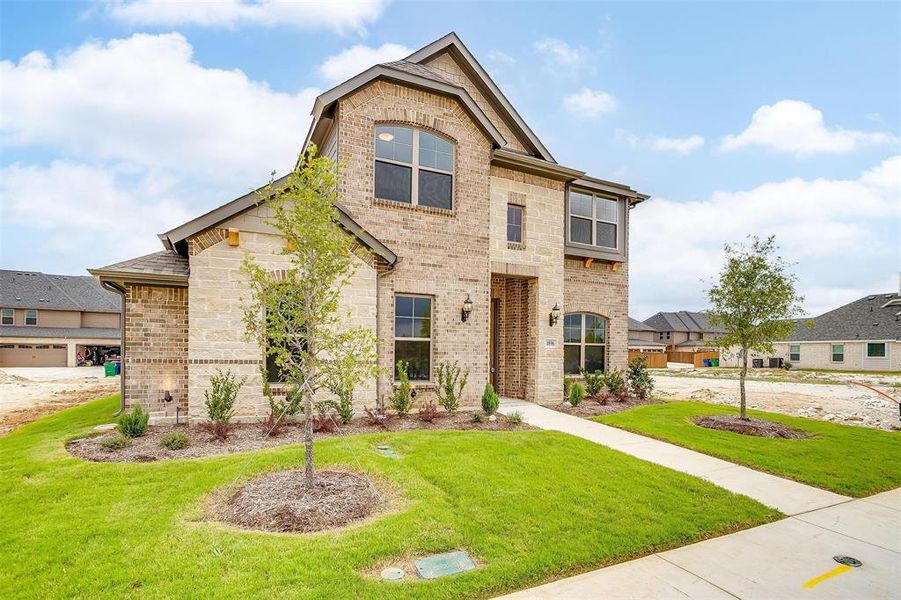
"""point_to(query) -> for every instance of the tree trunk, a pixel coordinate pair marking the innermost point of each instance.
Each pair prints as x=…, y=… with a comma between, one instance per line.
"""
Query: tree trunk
x=308, y=438
x=741, y=382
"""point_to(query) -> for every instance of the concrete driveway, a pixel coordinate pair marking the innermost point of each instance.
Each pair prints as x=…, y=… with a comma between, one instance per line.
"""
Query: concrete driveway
x=792, y=558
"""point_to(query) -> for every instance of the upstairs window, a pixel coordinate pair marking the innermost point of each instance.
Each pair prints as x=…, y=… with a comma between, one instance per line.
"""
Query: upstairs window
x=31, y=317
x=593, y=220
x=7, y=318
x=413, y=167
x=514, y=223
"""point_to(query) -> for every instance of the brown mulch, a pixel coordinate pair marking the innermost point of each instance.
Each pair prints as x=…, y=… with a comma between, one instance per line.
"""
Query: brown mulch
x=250, y=436
x=280, y=501
x=591, y=408
x=750, y=426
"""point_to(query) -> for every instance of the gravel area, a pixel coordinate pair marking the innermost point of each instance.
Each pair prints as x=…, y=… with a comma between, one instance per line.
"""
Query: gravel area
x=250, y=436
x=280, y=501
x=750, y=426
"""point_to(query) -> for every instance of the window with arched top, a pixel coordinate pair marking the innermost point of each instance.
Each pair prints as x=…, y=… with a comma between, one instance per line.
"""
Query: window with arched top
x=414, y=167
x=584, y=343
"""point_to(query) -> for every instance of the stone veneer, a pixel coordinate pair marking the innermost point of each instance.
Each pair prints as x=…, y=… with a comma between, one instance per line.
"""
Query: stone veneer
x=156, y=350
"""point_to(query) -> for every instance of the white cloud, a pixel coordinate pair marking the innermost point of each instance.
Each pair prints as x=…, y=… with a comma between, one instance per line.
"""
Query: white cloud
x=501, y=58
x=356, y=59
x=840, y=232
x=561, y=53
x=339, y=16
x=143, y=100
x=796, y=127
x=662, y=144
x=590, y=103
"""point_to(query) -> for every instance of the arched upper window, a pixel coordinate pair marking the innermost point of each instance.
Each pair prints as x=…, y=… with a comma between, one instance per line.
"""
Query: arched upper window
x=584, y=343
x=413, y=166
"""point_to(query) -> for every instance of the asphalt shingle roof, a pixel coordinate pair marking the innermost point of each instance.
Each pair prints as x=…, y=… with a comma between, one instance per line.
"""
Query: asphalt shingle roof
x=873, y=317
x=682, y=320
x=636, y=325
x=164, y=262
x=103, y=333
x=635, y=342
x=30, y=289
x=417, y=69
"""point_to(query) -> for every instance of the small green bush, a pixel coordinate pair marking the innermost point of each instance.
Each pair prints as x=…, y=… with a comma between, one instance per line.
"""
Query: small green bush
x=594, y=382
x=787, y=365
x=450, y=384
x=616, y=384
x=116, y=442
x=515, y=418
x=134, y=424
x=478, y=417
x=175, y=440
x=567, y=383
x=402, y=399
x=576, y=393
x=640, y=381
x=490, y=401
x=220, y=401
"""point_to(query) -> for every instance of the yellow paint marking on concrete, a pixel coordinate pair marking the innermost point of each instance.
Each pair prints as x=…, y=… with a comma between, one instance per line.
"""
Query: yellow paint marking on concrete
x=821, y=578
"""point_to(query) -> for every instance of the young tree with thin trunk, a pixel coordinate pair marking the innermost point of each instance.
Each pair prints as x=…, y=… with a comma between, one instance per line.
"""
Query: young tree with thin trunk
x=293, y=312
x=753, y=301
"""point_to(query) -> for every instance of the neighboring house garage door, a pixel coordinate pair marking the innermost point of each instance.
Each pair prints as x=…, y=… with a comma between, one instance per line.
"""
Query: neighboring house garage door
x=32, y=355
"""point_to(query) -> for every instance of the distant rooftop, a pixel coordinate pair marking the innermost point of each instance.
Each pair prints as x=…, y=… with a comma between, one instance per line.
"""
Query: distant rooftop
x=873, y=317
x=31, y=289
x=683, y=320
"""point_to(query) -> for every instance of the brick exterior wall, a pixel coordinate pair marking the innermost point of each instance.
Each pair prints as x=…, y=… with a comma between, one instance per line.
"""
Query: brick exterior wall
x=156, y=349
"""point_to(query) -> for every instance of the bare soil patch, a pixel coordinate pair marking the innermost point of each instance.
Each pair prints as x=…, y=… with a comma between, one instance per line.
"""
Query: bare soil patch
x=591, y=408
x=280, y=501
x=56, y=401
x=750, y=426
x=251, y=436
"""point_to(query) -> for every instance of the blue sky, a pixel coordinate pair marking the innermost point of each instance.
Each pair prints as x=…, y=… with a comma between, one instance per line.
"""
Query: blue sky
x=123, y=119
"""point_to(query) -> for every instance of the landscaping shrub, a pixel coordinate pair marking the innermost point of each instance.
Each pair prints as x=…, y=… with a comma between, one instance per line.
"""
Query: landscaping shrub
x=402, y=399
x=594, y=383
x=616, y=385
x=450, y=384
x=115, y=443
x=567, y=382
x=220, y=402
x=490, y=401
x=174, y=440
x=478, y=417
x=787, y=365
x=375, y=417
x=279, y=408
x=640, y=381
x=515, y=418
x=134, y=424
x=324, y=420
x=576, y=394
x=344, y=403
x=428, y=412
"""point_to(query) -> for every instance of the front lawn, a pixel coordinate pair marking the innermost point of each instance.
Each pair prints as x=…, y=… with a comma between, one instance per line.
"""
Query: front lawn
x=528, y=505
x=854, y=461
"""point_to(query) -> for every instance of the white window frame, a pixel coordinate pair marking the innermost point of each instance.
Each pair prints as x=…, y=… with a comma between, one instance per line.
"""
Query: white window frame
x=429, y=339
x=414, y=166
x=832, y=353
x=791, y=354
x=31, y=310
x=582, y=343
x=866, y=351
x=594, y=219
x=8, y=313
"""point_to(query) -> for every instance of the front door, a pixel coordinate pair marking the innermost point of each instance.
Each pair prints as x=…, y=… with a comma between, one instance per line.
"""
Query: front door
x=493, y=339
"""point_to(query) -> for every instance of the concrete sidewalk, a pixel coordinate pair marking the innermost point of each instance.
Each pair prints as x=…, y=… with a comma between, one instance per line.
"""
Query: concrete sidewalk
x=789, y=497
x=769, y=562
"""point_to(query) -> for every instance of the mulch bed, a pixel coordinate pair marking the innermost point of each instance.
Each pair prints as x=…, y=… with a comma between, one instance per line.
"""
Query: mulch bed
x=280, y=501
x=590, y=408
x=750, y=426
x=250, y=436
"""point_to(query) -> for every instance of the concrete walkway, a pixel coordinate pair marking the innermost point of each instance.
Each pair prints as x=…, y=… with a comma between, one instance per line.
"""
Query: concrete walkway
x=789, y=497
x=791, y=558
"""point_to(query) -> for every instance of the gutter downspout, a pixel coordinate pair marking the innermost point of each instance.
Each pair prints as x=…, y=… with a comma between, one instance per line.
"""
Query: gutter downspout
x=378, y=338
x=116, y=289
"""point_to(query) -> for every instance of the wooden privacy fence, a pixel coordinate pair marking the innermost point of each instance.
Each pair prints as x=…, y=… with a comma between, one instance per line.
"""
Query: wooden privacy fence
x=695, y=358
x=700, y=356
x=656, y=360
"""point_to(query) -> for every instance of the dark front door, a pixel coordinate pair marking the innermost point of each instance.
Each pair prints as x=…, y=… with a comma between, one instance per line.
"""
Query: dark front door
x=495, y=331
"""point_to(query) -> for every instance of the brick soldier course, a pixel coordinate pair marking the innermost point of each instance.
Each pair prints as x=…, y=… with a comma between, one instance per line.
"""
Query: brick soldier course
x=184, y=319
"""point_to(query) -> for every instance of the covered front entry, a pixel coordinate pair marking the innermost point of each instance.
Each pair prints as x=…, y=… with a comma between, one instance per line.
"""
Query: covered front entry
x=513, y=335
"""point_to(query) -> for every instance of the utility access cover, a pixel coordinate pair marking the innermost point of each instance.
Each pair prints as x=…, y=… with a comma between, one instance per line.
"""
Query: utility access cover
x=386, y=450
x=440, y=565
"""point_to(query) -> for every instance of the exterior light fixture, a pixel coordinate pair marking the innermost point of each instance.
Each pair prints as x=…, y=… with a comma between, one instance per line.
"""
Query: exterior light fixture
x=467, y=309
x=555, y=315
x=167, y=396
x=386, y=137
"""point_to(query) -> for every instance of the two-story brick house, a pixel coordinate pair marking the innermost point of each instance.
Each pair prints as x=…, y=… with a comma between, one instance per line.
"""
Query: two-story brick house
x=455, y=204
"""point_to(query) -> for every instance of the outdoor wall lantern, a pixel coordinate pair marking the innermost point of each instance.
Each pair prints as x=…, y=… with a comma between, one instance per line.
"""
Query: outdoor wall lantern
x=467, y=309
x=167, y=396
x=555, y=314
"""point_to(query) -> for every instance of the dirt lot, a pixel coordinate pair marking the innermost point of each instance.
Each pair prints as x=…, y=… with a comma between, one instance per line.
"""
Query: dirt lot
x=27, y=394
x=826, y=396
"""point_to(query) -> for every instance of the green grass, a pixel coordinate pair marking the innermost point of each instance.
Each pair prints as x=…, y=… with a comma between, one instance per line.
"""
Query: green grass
x=530, y=506
x=855, y=461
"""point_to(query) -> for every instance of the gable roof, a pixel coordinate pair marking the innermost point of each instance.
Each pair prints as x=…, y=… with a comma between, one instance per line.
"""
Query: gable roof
x=165, y=266
x=683, y=320
x=636, y=325
x=873, y=317
x=32, y=289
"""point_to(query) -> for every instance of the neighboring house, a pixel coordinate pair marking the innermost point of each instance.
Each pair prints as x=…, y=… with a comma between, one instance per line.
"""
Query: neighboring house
x=454, y=202
x=51, y=320
x=643, y=337
x=683, y=331
x=864, y=335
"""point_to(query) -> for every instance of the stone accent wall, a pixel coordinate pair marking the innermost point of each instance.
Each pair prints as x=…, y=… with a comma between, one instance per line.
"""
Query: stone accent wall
x=600, y=290
x=443, y=253
x=156, y=350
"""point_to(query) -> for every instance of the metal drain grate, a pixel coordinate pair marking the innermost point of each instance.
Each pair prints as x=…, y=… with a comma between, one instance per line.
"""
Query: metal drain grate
x=847, y=560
